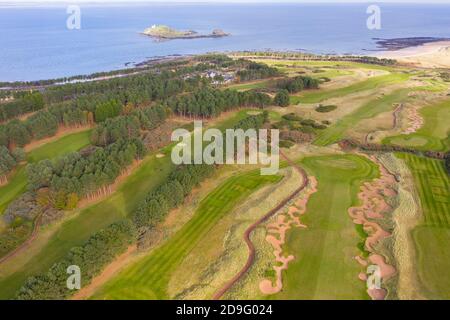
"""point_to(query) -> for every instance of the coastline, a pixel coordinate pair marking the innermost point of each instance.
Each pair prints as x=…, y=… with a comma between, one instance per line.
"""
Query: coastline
x=429, y=55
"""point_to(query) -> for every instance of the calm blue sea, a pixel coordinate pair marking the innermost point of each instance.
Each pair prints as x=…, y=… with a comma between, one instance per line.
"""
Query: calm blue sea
x=35, y=43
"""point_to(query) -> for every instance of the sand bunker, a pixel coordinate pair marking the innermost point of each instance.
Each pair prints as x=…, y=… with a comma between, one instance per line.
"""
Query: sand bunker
x=415, y=121
x=374, y=206
x=277, y=237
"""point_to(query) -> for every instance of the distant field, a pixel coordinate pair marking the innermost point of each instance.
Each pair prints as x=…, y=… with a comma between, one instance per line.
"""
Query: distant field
x=335, y=64
x=324, y=267
x=432, y=236
x=149, y=277
x=315, y=96
x=337, y=131
x=18, y=182
x=434, y=135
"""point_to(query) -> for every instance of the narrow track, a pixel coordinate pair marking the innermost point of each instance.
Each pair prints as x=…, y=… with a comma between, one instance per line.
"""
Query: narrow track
x=247, y=234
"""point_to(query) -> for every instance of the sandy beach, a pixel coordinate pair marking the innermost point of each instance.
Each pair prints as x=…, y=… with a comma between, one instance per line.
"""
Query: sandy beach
x=430, y=55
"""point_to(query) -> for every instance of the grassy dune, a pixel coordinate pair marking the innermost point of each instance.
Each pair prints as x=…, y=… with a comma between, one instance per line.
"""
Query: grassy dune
x=434, y=135
x=324, y=267
x=316, y=96
x=18, y=181
x=432, y=236
x=149, y=277
x=337, y=131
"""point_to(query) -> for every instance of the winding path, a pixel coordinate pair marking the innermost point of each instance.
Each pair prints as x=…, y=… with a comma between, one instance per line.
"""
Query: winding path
x=247, y=234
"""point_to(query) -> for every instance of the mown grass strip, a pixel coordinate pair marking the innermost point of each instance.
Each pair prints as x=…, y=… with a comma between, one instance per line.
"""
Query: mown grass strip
x=369, y=84
x=432, y=236
x=150, y=276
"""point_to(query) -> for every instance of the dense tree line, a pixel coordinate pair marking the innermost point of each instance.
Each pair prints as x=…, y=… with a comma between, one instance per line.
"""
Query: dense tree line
x=8, y=161
x=128, y=126
x=208, y=102
x=97, y=252
x=44, y=123
x=23, y=103
x=105, y=245
x=92, y=101
x=135, y=88
x=106, y=110
x=84, y=174
x=255, y=71
x=297, y=84
x=170, y=194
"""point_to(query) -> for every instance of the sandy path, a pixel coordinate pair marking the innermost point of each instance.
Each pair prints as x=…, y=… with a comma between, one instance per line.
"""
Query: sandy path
x=251, y=248
x=106, y=274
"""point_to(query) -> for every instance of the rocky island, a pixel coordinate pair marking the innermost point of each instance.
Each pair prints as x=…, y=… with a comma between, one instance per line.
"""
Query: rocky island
x=163, y=32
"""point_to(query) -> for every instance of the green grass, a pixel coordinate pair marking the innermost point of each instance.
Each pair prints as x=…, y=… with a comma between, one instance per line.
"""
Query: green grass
x=250, y=86
x=324, y=267
x=18, y=182
x=149, y=277
x=334, y=64
x=66, y=144
x=337, y=131
x=76, y=231
x=315, y=96
x=151, y=173
x=432, y=235
x=434, y=135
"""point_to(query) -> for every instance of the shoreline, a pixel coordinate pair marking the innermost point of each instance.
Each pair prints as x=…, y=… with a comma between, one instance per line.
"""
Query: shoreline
x=428, y=55
x=434, y=54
